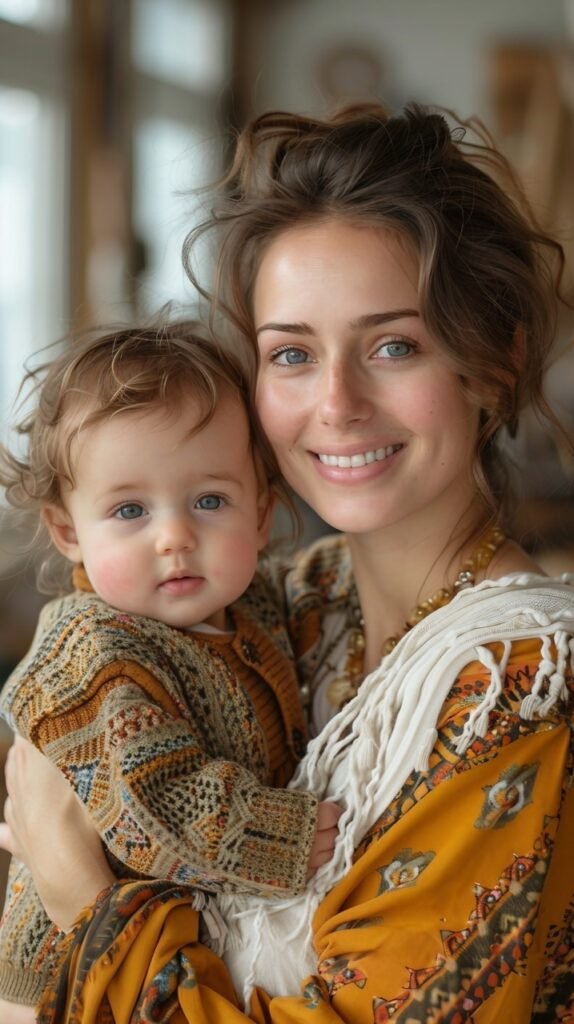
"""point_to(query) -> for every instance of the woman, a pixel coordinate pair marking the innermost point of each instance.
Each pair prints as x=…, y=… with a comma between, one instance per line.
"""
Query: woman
x=403, y=310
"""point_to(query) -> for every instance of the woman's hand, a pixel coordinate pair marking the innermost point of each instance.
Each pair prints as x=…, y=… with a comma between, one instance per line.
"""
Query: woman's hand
x=48, y=828
x=13, y=1013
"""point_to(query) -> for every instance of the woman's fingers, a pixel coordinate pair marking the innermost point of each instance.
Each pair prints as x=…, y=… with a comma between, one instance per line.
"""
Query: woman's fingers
x=26, y=767
x=49, y=829
x=8, y=833
x=12, y=1013
x=6, y=840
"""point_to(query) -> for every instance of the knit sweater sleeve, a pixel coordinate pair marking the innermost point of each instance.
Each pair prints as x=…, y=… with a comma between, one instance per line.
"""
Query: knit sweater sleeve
x=170, y=792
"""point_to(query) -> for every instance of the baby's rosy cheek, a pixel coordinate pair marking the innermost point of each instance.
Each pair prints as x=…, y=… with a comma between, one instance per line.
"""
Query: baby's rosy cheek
x=113, y=577
x=236, y=558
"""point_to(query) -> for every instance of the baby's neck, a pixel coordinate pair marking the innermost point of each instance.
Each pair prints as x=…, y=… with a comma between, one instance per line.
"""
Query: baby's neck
x=206, y=627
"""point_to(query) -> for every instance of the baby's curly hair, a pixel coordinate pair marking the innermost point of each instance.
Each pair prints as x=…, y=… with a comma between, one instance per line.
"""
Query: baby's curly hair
x=106, y=372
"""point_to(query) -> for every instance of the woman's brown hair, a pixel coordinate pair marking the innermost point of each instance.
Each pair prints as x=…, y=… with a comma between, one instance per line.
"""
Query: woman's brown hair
x=488, y=275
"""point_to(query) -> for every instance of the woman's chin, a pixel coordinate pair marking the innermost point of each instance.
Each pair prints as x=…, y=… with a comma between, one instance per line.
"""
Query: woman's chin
x=354, y=517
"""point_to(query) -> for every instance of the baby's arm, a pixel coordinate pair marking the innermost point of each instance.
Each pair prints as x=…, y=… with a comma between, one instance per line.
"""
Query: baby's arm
x=162, y=805
x=151, y=754
x=48, y=828
x=142, y=732
x=166, y=809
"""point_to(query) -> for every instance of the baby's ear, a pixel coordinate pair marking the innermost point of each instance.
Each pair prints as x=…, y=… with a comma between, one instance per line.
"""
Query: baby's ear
x=265, y=510
x=62, y=532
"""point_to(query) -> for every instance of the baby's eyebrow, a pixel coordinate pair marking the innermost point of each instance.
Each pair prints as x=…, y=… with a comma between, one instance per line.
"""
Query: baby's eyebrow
x=222, y=479
x=119, y=488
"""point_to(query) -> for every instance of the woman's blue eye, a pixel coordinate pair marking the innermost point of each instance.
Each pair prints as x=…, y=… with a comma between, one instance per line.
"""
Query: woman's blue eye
x=395, y=349
x=209, y=502
x=290, y=356
x=132, y=511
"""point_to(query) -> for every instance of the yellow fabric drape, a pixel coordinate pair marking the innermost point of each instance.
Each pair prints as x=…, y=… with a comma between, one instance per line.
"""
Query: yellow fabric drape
x=459, y=906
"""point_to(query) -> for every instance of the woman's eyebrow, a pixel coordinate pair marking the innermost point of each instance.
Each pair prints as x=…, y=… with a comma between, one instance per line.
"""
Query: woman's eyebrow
x=368, y=320
x=376, y=319
x=296, y=328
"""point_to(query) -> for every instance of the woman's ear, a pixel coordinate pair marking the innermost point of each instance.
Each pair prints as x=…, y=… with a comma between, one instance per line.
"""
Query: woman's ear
x=62, y=532
x=265, y=510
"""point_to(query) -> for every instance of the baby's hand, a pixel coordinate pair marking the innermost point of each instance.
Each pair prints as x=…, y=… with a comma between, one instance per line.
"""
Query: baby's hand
x=328, y=815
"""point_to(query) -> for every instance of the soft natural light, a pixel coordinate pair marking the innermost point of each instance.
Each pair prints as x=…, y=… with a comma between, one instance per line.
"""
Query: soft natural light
x=182, y=41
x=31, y=205
x=41, y=13
x=171, y=160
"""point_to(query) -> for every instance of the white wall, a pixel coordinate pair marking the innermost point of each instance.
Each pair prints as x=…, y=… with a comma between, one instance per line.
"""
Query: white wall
x=434, y=51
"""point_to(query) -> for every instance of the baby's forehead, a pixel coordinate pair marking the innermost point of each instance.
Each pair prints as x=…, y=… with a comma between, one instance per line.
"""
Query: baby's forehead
x=189, y=415
x=83, y=411
x=172, y=419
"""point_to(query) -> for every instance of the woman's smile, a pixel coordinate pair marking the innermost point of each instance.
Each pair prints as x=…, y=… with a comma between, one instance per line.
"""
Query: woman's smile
x=356, y=460
x=358, y=467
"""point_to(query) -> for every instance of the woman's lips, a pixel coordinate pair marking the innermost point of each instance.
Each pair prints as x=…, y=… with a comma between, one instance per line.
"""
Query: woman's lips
x=359, y=459
x=359, y=467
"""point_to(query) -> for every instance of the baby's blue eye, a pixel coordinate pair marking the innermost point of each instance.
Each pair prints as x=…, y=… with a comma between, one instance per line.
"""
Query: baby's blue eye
x=131, y=511
x=209, y=502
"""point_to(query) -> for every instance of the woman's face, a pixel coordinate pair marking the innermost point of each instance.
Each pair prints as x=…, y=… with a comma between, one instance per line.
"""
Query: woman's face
x=369, y=421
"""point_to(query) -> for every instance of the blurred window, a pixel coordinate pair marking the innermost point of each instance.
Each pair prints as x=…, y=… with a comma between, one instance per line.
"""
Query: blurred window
x=171, y=160
x=180, y=53
x=181, y=41
x=31, y=215
x=33, y=177
x=41, y=13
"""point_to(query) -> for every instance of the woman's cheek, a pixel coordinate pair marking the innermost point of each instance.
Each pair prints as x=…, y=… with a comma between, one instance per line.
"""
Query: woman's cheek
x=274, y=406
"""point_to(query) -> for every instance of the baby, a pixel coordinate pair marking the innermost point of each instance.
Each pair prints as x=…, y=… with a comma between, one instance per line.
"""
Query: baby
x=163, y=685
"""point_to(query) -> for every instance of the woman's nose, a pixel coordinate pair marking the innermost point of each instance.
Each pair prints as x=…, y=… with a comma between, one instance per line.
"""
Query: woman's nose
x=176, y=533
x=343, y=397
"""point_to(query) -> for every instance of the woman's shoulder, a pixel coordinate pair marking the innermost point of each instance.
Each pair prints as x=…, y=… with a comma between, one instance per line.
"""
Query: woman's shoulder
x=512, y=558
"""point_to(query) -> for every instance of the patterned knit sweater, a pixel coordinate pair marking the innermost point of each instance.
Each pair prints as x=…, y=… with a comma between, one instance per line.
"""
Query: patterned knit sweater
x=159, y=733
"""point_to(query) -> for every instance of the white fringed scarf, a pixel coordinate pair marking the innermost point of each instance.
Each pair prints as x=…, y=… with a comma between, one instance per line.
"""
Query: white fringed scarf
x=365, y=754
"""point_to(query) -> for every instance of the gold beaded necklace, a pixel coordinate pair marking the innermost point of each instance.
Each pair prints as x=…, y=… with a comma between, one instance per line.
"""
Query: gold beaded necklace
x=345, y=686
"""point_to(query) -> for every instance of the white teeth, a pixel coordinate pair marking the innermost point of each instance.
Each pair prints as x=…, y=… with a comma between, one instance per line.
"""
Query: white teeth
x=361, y=459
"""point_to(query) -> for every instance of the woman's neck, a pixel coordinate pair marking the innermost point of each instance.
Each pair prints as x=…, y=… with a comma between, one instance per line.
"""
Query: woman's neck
x=398, y=568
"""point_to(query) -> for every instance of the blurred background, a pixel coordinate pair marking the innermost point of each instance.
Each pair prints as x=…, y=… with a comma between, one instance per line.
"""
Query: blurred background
x=113, y=111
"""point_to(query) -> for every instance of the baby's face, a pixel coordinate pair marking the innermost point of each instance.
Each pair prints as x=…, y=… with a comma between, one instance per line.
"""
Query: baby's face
x=167, y=523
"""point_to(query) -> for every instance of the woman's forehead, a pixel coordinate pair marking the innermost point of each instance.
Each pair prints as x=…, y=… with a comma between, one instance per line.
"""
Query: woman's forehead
x=334, y=260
